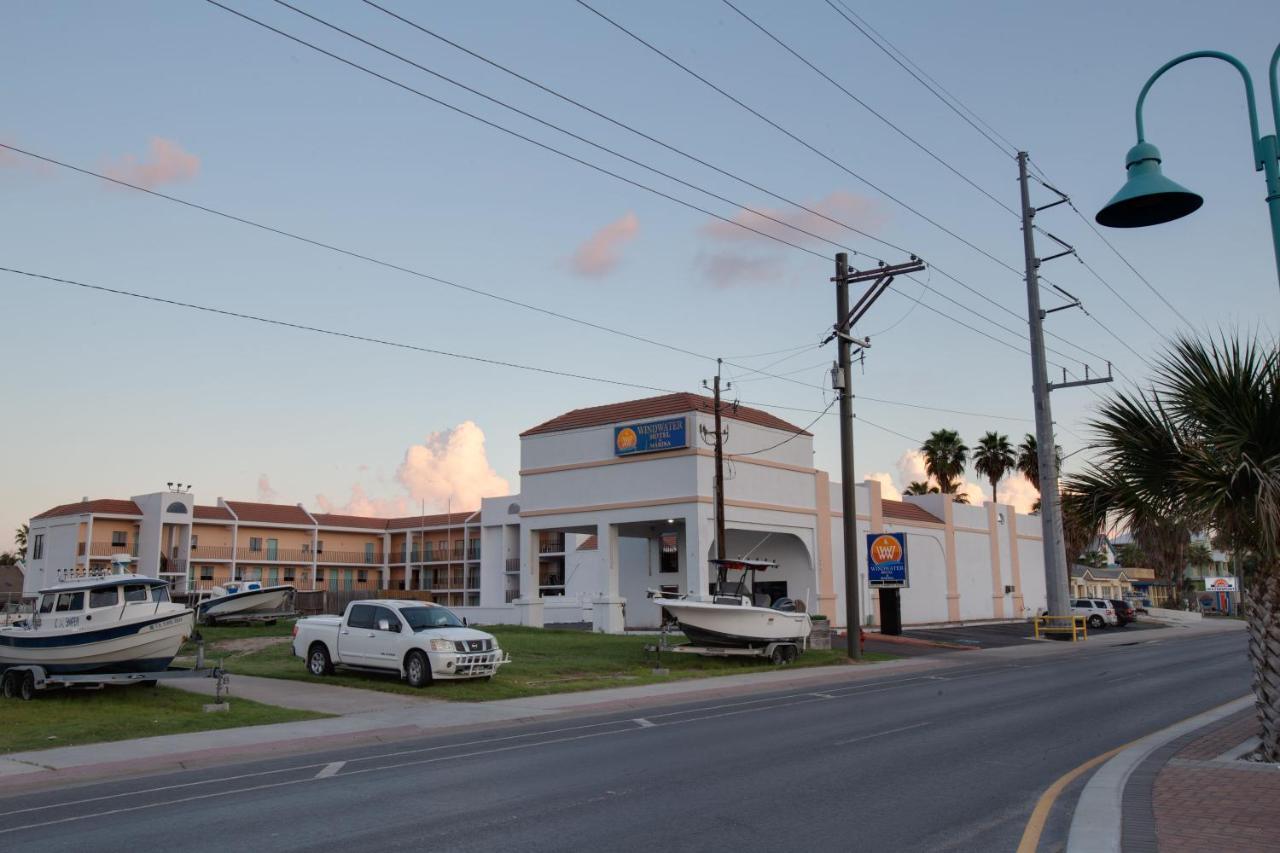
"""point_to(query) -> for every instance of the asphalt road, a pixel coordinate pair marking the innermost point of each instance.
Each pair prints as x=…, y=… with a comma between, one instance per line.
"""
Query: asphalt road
x=949, y=761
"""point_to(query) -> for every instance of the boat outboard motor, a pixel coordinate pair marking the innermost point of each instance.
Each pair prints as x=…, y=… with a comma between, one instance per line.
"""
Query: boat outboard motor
x=786, y=605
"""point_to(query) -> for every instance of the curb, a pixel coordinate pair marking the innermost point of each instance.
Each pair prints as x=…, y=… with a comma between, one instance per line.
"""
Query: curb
x=1098, y=820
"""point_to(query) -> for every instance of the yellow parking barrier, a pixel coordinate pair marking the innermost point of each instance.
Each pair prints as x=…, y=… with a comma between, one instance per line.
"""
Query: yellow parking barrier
x=1076, y=626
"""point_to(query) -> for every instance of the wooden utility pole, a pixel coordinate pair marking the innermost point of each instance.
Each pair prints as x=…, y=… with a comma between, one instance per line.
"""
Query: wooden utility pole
x=718, y=443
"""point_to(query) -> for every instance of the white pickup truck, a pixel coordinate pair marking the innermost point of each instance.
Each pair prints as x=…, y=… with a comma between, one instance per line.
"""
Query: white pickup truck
x=420, y=641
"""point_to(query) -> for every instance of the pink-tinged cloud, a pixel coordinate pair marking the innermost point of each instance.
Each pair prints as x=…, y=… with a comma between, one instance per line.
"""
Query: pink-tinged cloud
x=841, y=206
x=266, y=493
x=727, y=269
x=602, y=252
x=888, y=491
x=21, y=163
x=166, y=162
x=359, y=503
x=448, y=470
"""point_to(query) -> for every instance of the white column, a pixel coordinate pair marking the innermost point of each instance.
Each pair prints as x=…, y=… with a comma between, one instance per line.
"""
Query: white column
x=699, y=534
x=608, y=613
x=529, y=604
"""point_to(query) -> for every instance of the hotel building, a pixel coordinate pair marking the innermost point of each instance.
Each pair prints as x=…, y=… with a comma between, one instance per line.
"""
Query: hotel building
x=614, y=501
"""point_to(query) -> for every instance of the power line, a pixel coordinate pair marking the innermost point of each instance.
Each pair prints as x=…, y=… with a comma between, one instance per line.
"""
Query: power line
x=802, y=431
x=1008, y=151
x=240, y=315
x=790, y=135
x=593, y=166
x=870, y=109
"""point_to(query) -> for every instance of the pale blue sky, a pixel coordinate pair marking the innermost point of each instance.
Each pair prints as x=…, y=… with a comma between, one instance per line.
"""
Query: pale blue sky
x=113, y=397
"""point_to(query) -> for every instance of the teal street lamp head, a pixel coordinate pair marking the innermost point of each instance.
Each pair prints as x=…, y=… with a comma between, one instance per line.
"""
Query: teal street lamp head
x=1147, y=197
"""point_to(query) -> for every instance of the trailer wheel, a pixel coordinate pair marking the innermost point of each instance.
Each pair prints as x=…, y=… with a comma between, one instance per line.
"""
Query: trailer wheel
x=318, y=662
x=28, y=691
x=790, y=653
x=9, y=684
x=778, y=656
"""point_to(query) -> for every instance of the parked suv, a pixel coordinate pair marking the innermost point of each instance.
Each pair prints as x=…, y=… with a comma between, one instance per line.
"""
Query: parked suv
x=1097, y=612
x=1124, y=611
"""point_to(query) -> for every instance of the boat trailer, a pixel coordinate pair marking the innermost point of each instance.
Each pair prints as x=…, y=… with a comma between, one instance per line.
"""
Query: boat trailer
x=25, y=680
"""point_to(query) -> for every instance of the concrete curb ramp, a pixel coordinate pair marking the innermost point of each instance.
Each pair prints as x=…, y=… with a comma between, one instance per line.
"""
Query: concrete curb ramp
x=1097, y=823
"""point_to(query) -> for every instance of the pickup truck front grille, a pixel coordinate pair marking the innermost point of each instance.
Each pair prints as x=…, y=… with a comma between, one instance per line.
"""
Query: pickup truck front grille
x=473, y=645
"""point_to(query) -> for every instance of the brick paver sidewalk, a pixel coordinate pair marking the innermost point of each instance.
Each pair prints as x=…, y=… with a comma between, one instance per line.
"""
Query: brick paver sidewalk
x=1204, y=804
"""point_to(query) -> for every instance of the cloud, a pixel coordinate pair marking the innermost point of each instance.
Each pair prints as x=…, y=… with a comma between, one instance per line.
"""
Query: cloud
x=888, y=490
x=266, y=494
x=360, y=503
x=449, y=469
x=166, y=163
x=600, y=254
x=842, y=206
x=21, y=163
x=911, y=468
x=726, y=269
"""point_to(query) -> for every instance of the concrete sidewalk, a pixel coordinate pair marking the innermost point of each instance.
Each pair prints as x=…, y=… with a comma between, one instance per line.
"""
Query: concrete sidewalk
x=370, y=716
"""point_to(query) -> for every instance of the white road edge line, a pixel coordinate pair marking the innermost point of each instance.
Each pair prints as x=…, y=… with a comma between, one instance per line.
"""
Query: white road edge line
x=643, y=723
x=882, y=734
x=330, y=769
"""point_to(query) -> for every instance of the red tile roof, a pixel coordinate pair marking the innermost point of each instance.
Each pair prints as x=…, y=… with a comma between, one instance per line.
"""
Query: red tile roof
x=439, y=520
x=904, y=511
x=212, y=513
x=656, y=407
x=591, y=543
x=269, y=513
x=111, y=506
x=330, y=519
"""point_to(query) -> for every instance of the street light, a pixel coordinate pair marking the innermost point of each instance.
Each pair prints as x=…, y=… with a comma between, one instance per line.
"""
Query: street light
x=1149, y=198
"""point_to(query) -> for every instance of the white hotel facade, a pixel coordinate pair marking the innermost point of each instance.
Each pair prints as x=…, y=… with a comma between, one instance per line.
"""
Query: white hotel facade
x=614, y=500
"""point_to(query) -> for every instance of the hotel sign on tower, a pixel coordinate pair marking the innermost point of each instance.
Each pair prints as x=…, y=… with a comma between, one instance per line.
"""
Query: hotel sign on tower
x=650, y=437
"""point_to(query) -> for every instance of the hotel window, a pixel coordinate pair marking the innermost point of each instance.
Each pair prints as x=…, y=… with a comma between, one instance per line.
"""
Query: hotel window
x=362, y=576
x=195, y=540
x=37, y=547
x=319, y=575
x=119, y=539
x=288, y=574
x=255, y=543
x=669, y=554
x=319, y=546
x=206, y=573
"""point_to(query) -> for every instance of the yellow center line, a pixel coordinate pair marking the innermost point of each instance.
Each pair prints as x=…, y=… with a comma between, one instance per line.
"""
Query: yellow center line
x=1040, y=814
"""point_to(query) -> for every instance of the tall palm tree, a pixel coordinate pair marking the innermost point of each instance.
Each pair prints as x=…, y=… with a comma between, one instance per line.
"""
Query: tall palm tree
x=20, y=538
x=1028, y=462
x=1201, y=450
x=919, y=488
x=945, y=456
x=993, y=458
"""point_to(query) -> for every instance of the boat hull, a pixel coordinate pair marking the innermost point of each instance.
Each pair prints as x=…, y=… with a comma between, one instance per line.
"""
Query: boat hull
x=734, y=626
x=272, y=599
x=142, y=645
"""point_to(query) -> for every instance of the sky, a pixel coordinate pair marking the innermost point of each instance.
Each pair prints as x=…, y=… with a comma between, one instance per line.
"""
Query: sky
x=113, y=396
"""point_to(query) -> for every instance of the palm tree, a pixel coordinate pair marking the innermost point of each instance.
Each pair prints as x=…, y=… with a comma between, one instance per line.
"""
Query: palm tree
x=993, y=458
x=1201, y=449
x=20, y=538
x=944, y=458
x=1028, y=462
x=919, y=488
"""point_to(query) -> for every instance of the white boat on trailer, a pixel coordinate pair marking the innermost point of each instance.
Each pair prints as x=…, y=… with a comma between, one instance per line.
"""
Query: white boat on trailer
x=244, y=601
x=734, y=617
x=99, y=621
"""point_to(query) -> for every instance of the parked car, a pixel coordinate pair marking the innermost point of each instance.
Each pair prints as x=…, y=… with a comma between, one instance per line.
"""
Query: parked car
x=419, y=641
x=1125, y=612
x=1097, y=612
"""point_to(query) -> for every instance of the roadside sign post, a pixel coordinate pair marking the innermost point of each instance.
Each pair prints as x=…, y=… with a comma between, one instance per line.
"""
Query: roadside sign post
x=887, y=572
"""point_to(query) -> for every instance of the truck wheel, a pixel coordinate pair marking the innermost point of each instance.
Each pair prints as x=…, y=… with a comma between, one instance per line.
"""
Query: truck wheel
x=318, y=663
x=1095, y=622
x=10, y=684
x=28, y=691
x=417, y=669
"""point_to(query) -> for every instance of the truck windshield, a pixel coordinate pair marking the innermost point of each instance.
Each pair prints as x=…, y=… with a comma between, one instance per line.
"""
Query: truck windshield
x=421, y=618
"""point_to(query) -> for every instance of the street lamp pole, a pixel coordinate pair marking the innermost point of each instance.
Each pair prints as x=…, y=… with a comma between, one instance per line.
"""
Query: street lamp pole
x=1149, y=198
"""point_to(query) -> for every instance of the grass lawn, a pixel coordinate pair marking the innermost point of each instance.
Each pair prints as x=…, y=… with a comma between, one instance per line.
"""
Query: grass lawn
x=543, y=661
x=66, y=718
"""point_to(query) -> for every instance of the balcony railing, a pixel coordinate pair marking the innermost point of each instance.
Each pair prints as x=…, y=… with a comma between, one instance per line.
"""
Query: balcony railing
x=213, y=552
x=359, y=558
x=441, y=554
x=551, y=545
x=513, y=564
x=106, y=549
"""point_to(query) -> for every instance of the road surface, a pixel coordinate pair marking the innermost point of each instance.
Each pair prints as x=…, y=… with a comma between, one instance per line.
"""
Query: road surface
x=952, y=760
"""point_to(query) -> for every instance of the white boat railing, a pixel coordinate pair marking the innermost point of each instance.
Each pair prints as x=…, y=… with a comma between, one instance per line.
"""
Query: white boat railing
x=80, y=573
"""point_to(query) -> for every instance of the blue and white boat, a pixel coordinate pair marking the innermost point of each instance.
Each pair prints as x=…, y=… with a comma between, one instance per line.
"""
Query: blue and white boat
x=245, y=600
x=99, y=622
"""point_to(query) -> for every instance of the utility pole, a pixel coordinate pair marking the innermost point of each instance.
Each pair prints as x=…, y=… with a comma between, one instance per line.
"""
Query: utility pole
x=719, y=449
x=1055, y=555
x=842, y=382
